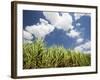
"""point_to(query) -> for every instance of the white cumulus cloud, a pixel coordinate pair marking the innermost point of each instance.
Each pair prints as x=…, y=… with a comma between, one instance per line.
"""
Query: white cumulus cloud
x=60, y=21
x=40, y=30
x=63, y=21
x=73, y=33
x=79, y=40
x=27, y=37
x=43, y=21
x=86, y=47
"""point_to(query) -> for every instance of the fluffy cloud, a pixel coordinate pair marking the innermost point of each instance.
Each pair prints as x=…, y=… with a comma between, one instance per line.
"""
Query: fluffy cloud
x=79, y=40
x=27, y=37
x=64, y=21
x=73, y=33
x=79, y=15
x=78, y=24
x=43, y=21
x=60, y=21
x=86, y=47
x=51, y=16
x=40, y=30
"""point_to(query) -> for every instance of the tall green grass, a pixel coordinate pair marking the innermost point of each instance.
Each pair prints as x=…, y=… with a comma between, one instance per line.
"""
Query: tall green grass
x=37, y=55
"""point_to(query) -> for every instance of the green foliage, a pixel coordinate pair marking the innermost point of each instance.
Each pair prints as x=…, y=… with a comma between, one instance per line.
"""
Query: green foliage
x=37, y=55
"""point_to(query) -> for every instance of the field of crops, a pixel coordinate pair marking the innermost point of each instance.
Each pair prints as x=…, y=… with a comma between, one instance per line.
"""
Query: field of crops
x=38, y=55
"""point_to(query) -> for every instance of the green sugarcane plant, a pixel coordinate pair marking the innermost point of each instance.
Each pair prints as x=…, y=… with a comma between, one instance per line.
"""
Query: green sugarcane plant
x=38, y=55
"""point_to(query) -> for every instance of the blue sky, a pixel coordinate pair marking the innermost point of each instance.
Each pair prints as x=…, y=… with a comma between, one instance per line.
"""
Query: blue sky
x=70, y=29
